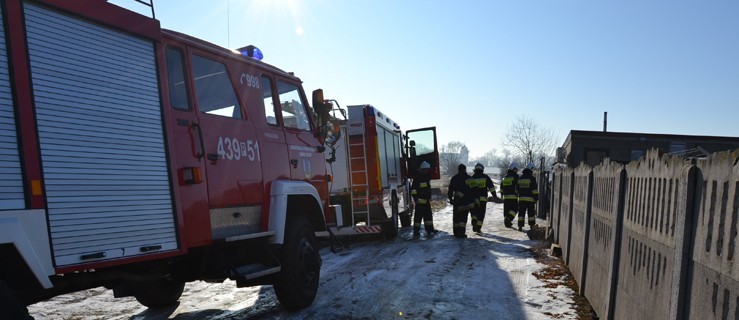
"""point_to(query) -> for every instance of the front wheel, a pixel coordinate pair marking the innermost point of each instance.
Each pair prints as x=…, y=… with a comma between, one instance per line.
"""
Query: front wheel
x=10, y=306
x=159, y=293
x=297, y=283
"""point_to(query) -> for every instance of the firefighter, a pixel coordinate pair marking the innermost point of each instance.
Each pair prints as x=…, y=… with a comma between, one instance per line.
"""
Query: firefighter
x=421, y=193
x=508, y=187
x=480, y=184
x=528, y=195
x=462, y=199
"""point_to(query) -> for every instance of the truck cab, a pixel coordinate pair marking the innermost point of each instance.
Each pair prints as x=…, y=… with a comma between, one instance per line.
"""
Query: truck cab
x=138, y=159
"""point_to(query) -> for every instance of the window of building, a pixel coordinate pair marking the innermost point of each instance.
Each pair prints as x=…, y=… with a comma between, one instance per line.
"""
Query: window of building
x=176, y=76
x=215, y=94
x=594, y=157
x=636, y=154
x=294, y=114
x=678, y=147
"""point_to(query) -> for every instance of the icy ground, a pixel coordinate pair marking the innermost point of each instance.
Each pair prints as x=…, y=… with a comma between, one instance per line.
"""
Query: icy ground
x=486, y=276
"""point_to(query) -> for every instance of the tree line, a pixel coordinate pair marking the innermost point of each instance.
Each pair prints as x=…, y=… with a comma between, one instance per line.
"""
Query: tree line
x=525, y=141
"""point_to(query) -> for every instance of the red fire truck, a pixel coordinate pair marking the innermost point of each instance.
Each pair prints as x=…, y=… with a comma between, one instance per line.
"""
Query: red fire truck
x=370, y=162
x=139, y=159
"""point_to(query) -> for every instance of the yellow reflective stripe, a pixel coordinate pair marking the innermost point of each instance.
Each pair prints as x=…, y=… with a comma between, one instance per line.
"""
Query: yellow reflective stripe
x=510, y=197
x=414, y=191
x=483, y=199
x=458, y=194
x=512, y=213
x=526, y=199
x=536, y=192
x=423, y=185
x=422, y=201
x=476, y=182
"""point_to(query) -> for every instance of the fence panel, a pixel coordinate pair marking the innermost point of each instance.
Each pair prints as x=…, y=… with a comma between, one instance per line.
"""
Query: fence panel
x=565, y=215
x=714, y=286
x=603, y=236
x=651, y=250
x=580, y=223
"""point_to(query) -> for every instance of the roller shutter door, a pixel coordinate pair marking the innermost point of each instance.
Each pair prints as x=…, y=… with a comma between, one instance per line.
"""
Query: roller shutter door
x=11, y=179
x=101, y=139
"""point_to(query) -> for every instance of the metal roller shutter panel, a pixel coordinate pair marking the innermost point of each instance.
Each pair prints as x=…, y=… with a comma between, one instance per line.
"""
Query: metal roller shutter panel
x=11, y=178
x=101, y=139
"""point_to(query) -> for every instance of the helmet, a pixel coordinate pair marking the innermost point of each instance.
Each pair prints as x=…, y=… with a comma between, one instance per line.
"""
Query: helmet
x=530, y=166
x=513, y=166
x=425, y=165
x=462, y=168
x=479, y=166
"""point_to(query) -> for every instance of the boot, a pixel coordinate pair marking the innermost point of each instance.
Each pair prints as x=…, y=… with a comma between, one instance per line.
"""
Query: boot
x=508, y=224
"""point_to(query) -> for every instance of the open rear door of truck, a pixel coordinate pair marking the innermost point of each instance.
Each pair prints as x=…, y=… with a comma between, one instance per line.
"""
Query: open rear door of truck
x=421, y=146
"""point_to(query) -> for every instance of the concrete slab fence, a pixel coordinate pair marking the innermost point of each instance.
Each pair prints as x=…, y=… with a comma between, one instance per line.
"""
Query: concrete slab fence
x=654, y=239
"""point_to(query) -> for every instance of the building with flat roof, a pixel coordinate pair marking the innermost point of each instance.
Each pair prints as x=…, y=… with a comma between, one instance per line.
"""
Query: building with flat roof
x=592, y=147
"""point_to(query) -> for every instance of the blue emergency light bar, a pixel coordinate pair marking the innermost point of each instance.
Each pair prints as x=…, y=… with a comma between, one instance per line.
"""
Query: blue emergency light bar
x=251, y=52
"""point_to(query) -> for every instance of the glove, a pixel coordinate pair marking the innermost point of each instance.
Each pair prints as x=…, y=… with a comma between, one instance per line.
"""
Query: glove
x=495, y=199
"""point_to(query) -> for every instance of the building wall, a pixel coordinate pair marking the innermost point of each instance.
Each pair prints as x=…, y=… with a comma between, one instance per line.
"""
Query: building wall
x=584, y=146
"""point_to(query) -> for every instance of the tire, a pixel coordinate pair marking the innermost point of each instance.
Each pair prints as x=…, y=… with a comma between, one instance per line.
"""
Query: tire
x=160, y=293
x=11, y=307
x=407, y=216
x=296, y=285
x=390, y=228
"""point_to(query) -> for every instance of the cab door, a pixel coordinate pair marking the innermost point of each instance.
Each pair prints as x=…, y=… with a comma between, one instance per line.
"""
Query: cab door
x=421, y=146
x=230, y=148
x=303, y=156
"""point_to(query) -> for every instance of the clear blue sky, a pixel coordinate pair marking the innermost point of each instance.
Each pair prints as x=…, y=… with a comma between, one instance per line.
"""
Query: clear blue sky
x=471, y=67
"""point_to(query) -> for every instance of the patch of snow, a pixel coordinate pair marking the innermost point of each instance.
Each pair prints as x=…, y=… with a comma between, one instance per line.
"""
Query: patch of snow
x=486, y=276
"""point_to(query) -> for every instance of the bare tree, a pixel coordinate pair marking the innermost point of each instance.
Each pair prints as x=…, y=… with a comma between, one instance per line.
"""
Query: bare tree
x=529, y=140
x=450, y=156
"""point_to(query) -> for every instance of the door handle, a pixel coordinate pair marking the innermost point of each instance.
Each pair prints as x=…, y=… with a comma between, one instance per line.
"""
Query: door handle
x=200, y=154
x=294, y=162
x=213, y=156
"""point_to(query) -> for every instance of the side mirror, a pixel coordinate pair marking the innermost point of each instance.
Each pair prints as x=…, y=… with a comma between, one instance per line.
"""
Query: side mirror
x=318, y=103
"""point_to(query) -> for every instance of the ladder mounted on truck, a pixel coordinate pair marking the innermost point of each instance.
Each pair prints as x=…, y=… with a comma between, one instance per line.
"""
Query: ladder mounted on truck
x=360, y=196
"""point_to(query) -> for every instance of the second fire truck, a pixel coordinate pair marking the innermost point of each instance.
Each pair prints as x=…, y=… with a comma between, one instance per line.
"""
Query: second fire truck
x=371, y=162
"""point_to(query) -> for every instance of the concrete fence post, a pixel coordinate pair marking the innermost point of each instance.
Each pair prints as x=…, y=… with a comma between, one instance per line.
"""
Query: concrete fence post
x=616, y=252
x=586, y=233
x=568, y=214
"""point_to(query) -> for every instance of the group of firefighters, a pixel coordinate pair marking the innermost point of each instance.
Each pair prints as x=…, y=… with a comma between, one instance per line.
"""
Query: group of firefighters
x=469, y=195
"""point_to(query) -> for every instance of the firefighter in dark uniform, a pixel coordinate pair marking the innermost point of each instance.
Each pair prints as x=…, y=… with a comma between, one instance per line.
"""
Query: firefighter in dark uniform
x=421, y=193
x=480, y=184
x=528, y=195
x=463, y=200
x=508, y=186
